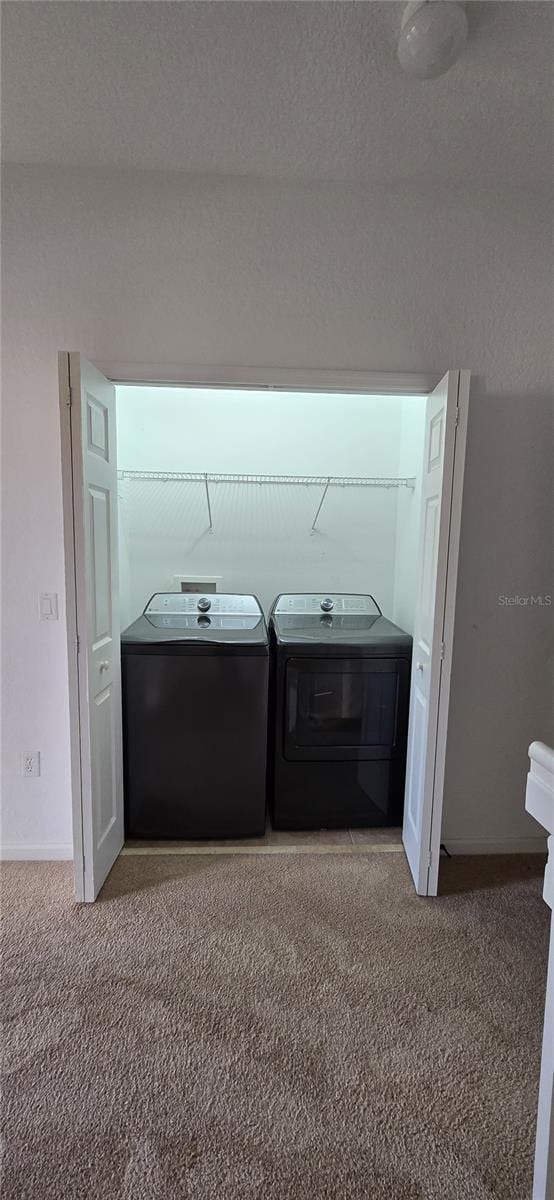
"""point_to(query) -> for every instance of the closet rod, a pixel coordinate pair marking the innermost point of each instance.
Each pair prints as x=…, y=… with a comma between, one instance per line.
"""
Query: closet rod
x=206, y=477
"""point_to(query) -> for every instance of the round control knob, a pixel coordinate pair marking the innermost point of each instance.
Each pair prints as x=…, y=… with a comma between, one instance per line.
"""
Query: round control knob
x=327, y=604
x=204, y=604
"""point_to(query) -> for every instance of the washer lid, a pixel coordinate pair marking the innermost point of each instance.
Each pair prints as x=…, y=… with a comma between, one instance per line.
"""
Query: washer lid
x=219, y=619
x=206, y=615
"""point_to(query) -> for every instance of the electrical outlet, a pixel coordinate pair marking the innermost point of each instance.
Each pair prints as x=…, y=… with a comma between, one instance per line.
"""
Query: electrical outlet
x=30, y=764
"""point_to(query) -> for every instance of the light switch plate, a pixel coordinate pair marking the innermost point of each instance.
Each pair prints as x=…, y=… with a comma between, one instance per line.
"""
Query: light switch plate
x=48, y=606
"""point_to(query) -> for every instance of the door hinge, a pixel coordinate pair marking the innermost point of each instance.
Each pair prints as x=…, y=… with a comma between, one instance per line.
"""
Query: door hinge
x=457, y=421
x=69, y=400
x=430, y=858
x=78, y=644
x=443, y=649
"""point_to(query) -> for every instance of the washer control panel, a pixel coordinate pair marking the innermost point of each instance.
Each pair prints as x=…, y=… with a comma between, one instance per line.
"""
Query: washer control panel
x=313, y=604
x=182, y=604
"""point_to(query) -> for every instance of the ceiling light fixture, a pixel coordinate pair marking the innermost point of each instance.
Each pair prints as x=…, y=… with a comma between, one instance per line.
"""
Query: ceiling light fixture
x=432, y=36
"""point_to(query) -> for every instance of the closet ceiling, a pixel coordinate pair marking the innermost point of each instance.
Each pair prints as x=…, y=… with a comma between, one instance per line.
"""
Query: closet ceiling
x=306, y=90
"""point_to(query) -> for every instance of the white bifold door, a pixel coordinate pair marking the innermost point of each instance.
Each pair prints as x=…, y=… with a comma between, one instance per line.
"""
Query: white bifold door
x=442, y=485
x=89, y=472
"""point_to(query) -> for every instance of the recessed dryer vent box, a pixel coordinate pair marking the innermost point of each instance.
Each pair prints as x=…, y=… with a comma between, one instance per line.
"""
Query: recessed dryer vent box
x=190, y=583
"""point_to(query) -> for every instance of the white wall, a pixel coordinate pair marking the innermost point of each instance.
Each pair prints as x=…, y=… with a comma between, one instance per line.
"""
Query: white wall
x=261, y=539
x=167, y=269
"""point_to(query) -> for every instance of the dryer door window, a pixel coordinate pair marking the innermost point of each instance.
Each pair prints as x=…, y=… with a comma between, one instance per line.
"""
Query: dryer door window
x=344, y=708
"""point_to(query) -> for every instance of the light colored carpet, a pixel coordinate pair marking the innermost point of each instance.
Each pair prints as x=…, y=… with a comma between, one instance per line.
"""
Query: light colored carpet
x=272, y=1028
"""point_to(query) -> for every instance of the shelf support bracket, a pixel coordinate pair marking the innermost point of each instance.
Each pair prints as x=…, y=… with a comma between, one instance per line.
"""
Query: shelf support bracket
x=320, y=506
x=211, y=528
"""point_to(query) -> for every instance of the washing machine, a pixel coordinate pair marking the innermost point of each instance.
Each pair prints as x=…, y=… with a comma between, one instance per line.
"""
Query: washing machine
x=195, y=696
x=340, y=689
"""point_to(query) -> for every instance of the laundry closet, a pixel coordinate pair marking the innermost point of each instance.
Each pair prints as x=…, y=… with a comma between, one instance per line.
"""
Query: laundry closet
x=261, y=588
x=300, y=508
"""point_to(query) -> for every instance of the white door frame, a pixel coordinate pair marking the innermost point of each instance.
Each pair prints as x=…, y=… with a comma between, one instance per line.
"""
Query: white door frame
x=254, y=378
x=293, y=379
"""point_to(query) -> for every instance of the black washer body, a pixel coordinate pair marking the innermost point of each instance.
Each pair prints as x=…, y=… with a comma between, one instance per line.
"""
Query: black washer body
x=195, y=689
x=340, y=688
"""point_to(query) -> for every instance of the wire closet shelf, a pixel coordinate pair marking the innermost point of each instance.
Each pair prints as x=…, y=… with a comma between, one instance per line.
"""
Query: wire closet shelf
x=323, y=481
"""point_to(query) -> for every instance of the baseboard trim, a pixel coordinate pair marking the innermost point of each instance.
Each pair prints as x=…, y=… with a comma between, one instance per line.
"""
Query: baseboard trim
x=63, y=852
x=524, y=845
x=46, y=852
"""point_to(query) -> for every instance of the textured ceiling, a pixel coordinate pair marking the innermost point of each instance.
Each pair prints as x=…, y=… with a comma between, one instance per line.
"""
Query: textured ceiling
x=274, y=89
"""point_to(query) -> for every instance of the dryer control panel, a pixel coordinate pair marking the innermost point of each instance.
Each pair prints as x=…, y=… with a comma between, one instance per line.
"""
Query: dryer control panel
x=334, y=603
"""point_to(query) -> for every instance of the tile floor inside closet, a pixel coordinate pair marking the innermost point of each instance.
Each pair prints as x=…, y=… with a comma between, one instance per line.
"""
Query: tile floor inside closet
x=277, y=841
